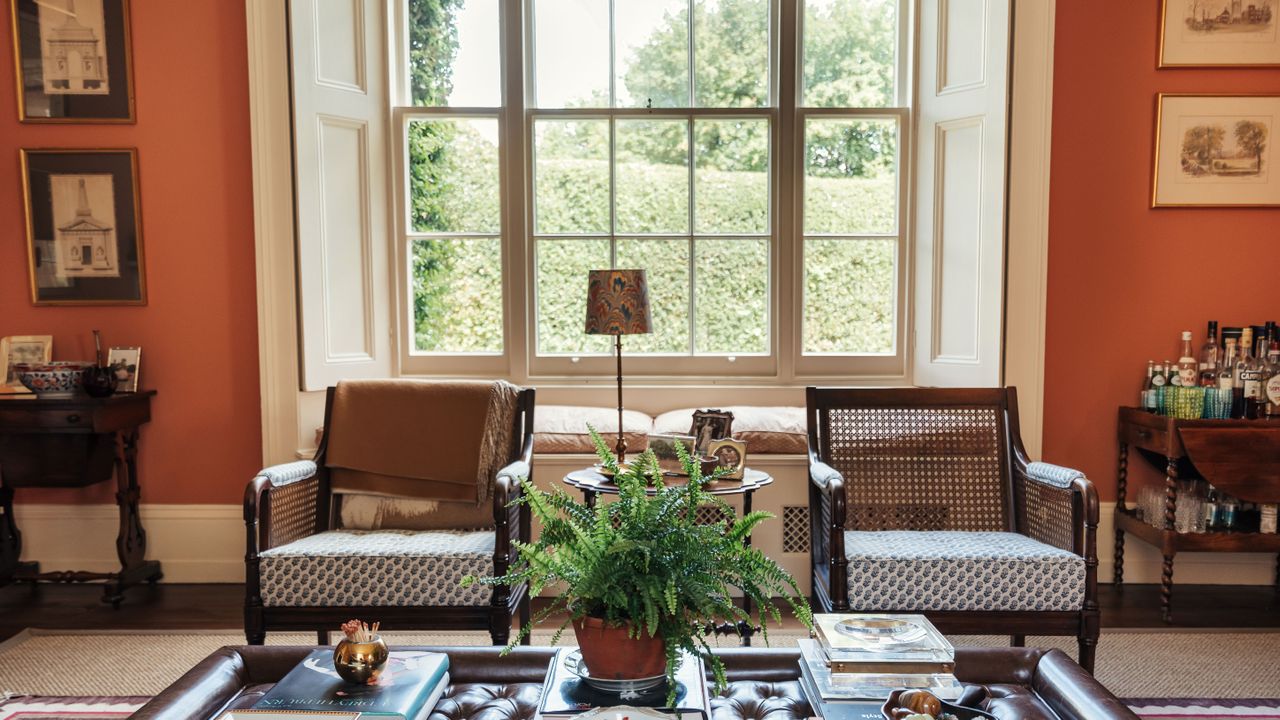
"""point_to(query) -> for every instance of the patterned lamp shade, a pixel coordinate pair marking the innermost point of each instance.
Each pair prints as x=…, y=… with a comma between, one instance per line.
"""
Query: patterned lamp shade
x=617, y=302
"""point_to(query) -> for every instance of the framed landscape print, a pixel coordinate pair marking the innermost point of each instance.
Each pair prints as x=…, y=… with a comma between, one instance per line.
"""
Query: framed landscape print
x=84, y=230
x=1216, y=150
x=73, y=61
x=1202, y=33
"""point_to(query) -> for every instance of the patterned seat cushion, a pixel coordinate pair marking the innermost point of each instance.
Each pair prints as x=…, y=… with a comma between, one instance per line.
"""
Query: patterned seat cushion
x=379, y=567
x=918, y=571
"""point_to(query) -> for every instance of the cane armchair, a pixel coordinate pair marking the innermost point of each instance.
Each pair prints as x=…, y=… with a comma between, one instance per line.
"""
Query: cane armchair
x=298, y=553
x=923, y=500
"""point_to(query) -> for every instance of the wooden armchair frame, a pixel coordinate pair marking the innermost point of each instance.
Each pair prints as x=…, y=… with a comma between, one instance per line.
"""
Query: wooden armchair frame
x=1057, y=513
x=292, y=501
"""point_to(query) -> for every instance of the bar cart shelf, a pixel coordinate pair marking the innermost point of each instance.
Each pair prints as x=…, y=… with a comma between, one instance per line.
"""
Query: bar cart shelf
x=1240, y=457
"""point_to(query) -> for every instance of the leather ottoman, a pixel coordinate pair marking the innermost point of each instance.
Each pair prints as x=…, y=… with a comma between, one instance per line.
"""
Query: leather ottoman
x=1021, y=683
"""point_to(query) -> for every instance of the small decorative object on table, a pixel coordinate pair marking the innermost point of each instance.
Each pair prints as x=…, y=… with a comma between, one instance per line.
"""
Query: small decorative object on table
x=99, y=380
x=664, y=451
x=53, y=379
x=17, y=349
x=360, y=656
x=710, y=425
x=125, y=362
x=916, y=704
x=730, y=456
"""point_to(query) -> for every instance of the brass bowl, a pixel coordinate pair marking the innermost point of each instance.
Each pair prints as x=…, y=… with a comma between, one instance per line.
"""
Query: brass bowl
x=360, y=663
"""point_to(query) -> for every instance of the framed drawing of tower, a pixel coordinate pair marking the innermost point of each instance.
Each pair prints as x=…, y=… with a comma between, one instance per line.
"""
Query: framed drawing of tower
x=73, y=61
x=84, y=229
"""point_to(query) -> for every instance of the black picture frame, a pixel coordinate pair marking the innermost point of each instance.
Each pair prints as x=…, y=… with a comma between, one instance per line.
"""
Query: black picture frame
x=709, y=425
x=84, y=227
x=95, y=84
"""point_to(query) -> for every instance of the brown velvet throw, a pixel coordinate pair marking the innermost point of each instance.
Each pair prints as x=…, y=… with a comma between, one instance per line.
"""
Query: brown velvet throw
x=420, y=439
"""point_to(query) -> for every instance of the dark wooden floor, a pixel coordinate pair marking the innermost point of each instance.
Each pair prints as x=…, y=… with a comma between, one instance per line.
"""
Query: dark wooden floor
x=178, y=607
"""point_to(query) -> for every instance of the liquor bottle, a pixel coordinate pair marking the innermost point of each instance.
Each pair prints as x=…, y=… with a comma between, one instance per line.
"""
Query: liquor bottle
x=1188, y=368
x=1271, y=386
x=1210, y=511
x=1171, y=373
x=1253, y=380
x=1148, y=388
x=1227, y=509
x=1238, y=372
x=1226, y=383
x=1209, y=357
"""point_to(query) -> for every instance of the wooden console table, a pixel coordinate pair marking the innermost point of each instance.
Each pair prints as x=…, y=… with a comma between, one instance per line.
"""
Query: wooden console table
x=1240, y=457
x=70, y=443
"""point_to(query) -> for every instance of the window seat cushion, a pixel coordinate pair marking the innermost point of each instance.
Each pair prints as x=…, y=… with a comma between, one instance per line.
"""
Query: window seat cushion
x=562, y=429
x=766, y=430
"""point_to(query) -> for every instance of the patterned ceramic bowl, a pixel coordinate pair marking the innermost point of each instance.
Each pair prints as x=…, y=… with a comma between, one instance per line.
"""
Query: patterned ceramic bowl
x=54, y=378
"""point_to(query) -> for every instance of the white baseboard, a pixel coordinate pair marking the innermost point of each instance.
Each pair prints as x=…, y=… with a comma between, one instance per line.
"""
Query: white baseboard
x=194, y=543
x=205, y=543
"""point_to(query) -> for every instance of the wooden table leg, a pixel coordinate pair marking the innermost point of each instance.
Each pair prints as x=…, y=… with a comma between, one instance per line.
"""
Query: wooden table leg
x=131, y=541
x=1122, y=481
x=10, y=538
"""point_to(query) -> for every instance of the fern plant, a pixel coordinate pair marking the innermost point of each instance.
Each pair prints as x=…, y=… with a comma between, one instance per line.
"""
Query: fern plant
x=644, y=561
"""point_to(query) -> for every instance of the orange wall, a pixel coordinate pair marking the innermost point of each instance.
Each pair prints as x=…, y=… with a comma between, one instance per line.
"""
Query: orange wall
x=198, y=332
x=1124, y=279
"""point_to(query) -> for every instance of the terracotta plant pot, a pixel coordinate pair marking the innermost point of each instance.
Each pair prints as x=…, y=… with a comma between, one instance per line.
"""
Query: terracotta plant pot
x=611, y=654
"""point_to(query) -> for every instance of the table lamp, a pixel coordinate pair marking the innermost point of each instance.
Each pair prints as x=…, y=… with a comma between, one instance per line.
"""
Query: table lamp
x=617, y=305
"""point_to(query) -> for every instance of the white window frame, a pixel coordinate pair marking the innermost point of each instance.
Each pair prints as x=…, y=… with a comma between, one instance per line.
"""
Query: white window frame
x=785, y=361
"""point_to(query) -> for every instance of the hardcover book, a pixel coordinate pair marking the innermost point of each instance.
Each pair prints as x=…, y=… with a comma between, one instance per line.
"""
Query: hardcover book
x=831, y=686
x=411, y=682
x=838, y=709
x=565, y=693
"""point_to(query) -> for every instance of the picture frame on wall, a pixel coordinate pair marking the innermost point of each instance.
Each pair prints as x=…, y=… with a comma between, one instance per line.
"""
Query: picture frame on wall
x=1216, y=151
x=125, y=363
x=84, y=229
x=21, y=349
x=74, y=61
x=1225, y=33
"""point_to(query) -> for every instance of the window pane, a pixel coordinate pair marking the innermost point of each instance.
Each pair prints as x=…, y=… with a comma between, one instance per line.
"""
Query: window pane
x=457, y=295
x=572, y=176
x=453, y=175
x=652, y=46
x=571, y=53
x=849, y=53
x=666, y=265
x=454, y=58
x=850, y=184
x=731, y=176
x=652, y=176
x=562, y=295
x=731, y=53
x=732, y=308
x=849, y=296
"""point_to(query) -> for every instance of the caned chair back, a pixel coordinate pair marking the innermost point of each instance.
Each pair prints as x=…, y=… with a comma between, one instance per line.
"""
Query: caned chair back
x=917, y=458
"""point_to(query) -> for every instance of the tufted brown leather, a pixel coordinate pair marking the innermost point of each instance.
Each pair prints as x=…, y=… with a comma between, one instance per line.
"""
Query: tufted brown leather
x=1010, y=683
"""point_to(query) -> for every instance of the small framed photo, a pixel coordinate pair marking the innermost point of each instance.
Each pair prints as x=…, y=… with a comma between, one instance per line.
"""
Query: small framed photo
x=1231, y=33
x=710, y=425
x=74, y=61
x=730, y=454
x=84, y=230
x=1216, y=151
x=124, y=363
x=21, y=349
x=664, y=451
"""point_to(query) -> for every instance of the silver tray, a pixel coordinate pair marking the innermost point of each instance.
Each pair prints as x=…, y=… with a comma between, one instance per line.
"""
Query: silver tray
x=574, y=664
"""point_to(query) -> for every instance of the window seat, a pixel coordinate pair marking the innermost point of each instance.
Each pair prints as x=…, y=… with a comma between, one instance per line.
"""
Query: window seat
x=562, y=429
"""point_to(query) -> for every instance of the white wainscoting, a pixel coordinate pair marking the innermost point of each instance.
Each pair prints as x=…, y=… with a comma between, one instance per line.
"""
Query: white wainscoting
x=205, y=543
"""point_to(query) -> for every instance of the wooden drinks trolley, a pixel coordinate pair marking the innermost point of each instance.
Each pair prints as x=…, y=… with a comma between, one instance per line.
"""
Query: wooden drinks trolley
x=75, y=442
x=1240, y=457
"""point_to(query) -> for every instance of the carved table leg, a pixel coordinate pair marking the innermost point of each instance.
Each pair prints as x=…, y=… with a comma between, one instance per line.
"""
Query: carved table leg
x=10, y=538
x=1170, y=512
x=1122, y=480
x=131, y=542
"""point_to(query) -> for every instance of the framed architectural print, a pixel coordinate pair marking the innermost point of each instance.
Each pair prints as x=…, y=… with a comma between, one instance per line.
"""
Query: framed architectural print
x=1229, y=33
x=73, y=60
x=84, y=227
x=1216, y=151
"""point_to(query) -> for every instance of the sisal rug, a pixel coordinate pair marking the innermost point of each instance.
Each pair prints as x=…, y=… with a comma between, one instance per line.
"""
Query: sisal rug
x=1131, y=664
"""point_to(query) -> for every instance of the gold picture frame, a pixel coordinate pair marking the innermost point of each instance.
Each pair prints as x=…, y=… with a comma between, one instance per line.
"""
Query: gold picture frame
x=731, y=454
x=1204, y=38
x=84, y=226
x=45, y=100
x=1216, y=150
x=30, y=348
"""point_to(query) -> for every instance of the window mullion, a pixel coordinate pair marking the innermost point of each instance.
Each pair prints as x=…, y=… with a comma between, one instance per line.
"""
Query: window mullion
x=693, y=281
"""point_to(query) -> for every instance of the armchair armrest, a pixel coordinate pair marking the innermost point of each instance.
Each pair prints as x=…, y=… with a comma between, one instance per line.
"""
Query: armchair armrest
x=1055, y=475
x=822, y=474
x=281, y=504
x=1057, y=505
x=826, y=534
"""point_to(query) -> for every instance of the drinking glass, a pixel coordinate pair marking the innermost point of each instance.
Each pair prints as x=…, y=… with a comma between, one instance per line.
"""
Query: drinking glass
x=1188, y=403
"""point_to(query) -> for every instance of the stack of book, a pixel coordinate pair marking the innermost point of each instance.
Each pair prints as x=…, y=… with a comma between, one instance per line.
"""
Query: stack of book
x=407, y=689
x=855, y=661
